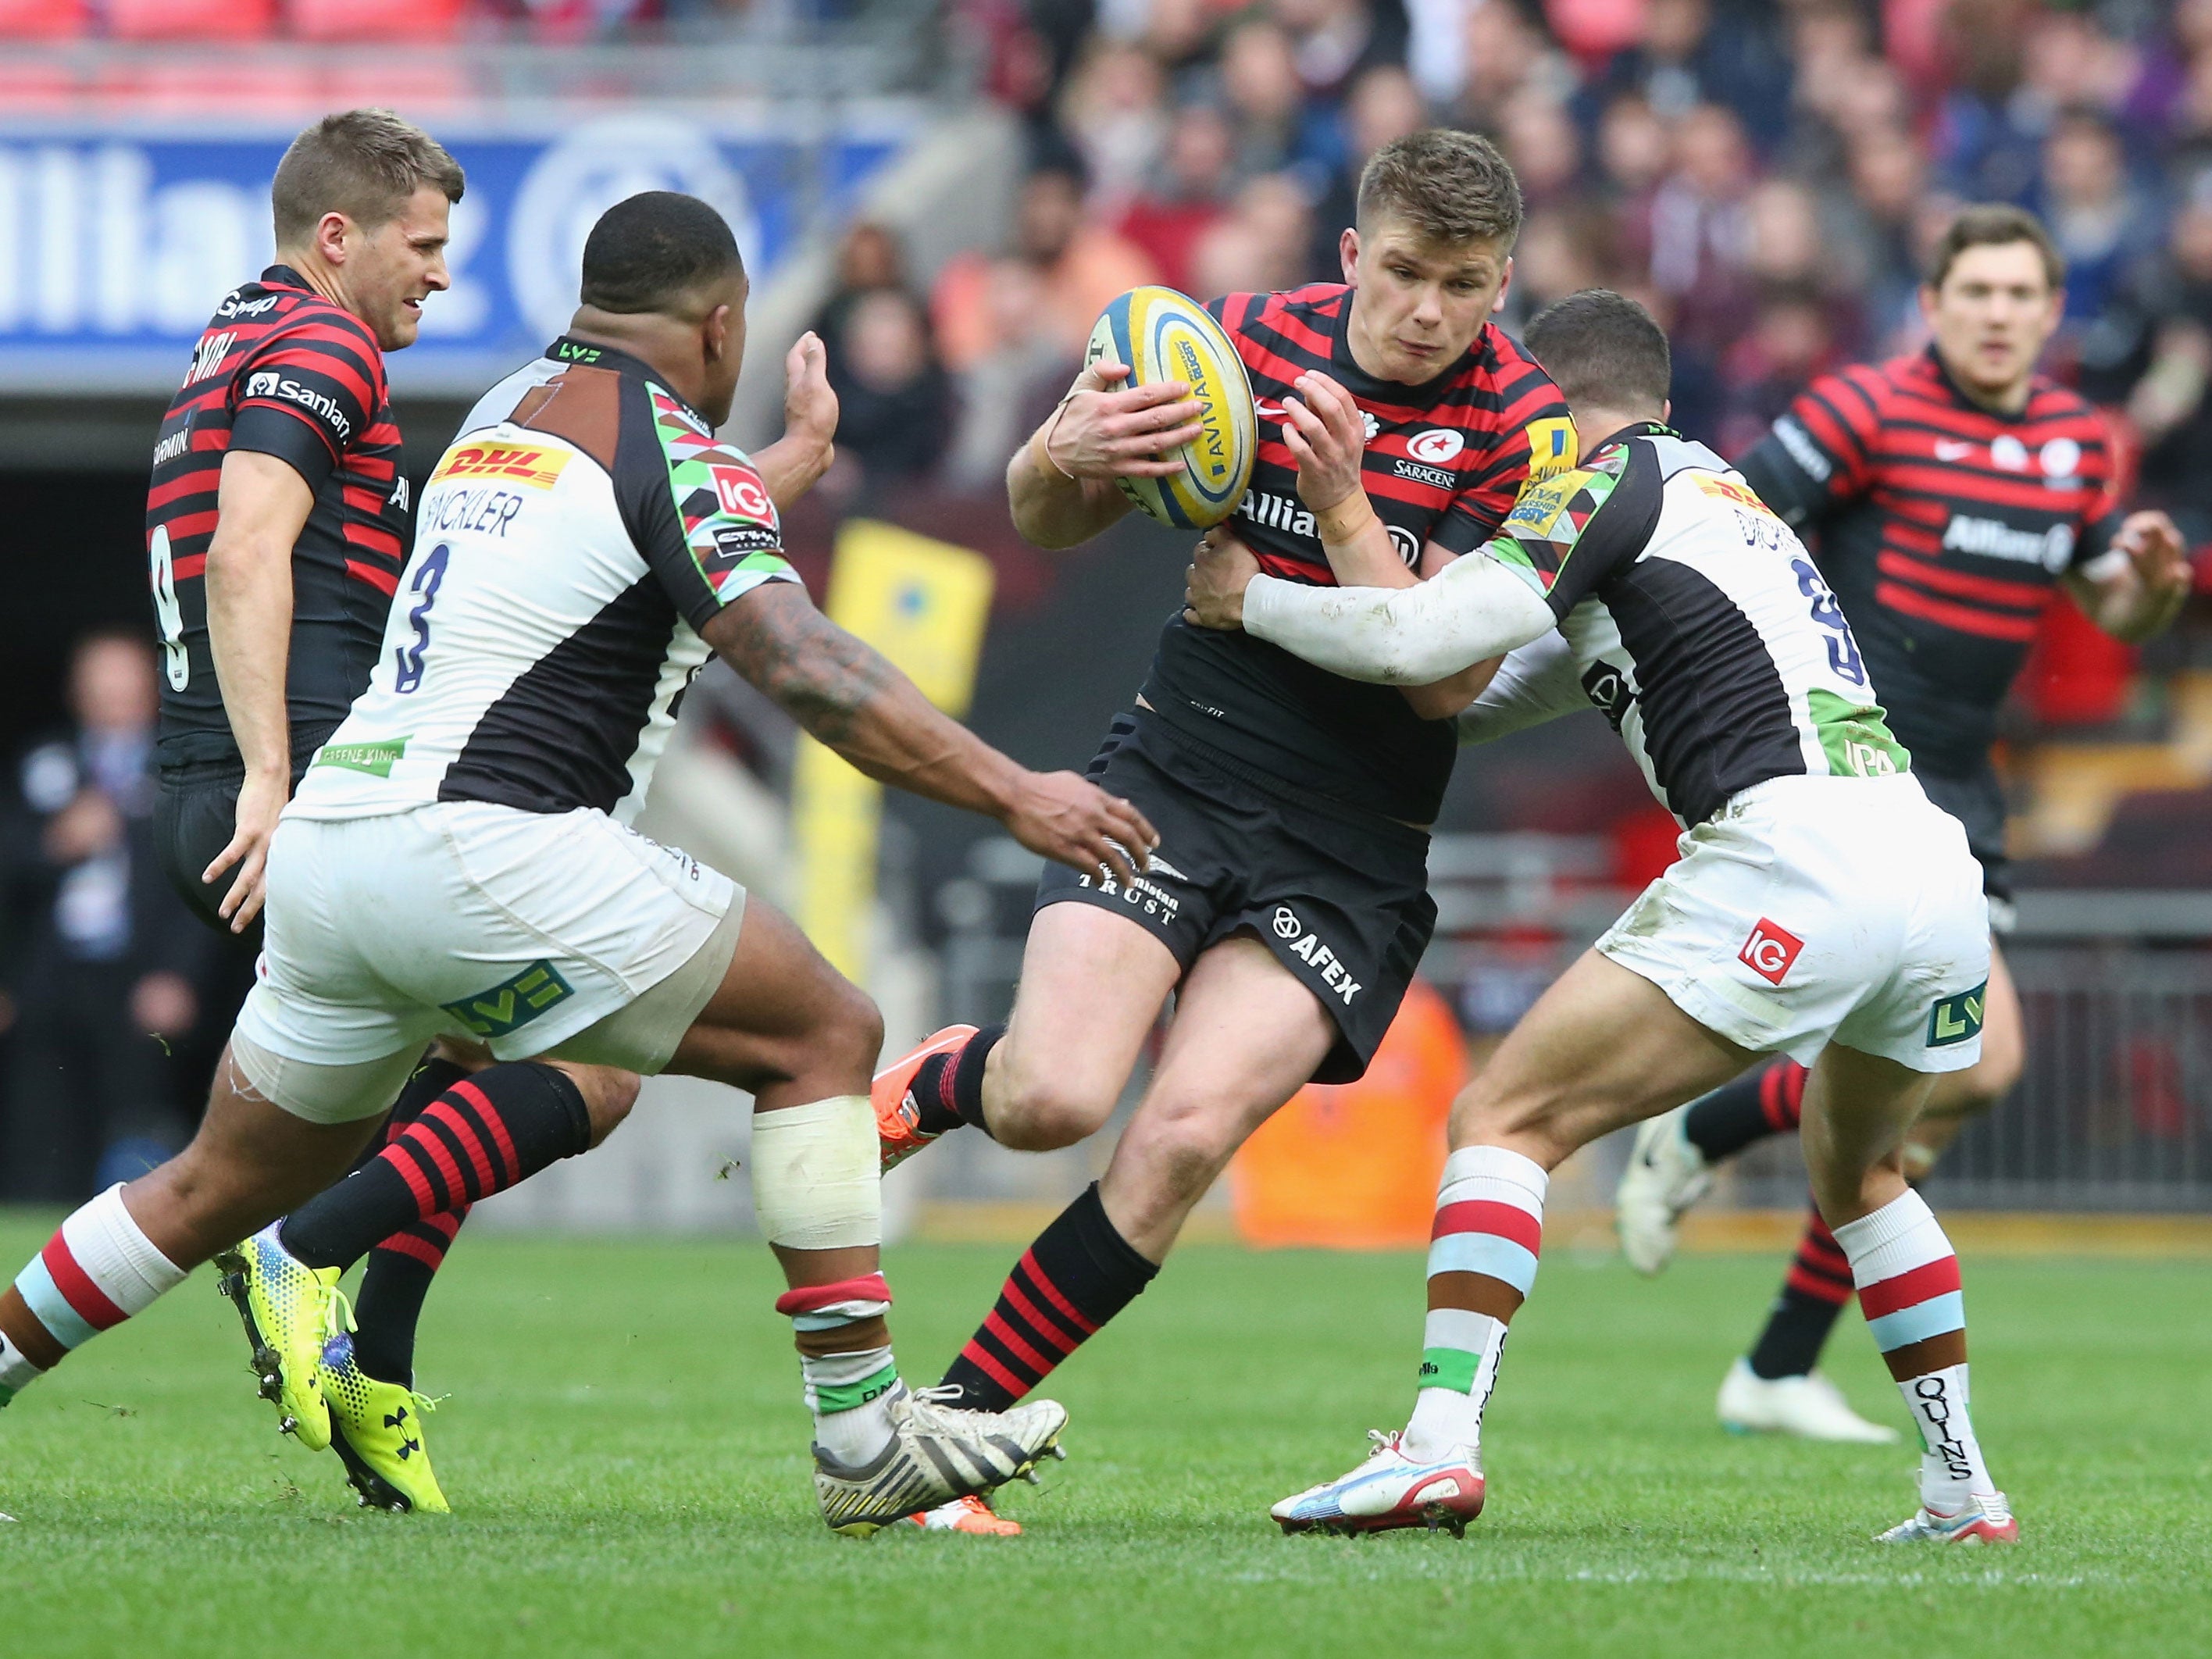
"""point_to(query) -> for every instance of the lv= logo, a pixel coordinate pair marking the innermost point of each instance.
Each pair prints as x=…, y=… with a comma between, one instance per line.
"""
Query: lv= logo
x=1954, y=1020
x=513, y=1003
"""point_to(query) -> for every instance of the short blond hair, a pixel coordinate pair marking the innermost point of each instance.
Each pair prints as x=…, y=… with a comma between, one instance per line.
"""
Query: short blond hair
x=1452, y=186
x=364, y=163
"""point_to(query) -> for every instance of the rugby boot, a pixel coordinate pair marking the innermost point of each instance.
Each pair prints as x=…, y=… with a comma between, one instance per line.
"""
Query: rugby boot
x=1811, y=1407
x=1665, y=1175
x=290, y=1310
x=1986, y=1519
x=376, y=1429
x=1390, y=1491
x=937, y=1454
x=898, y=1130
x=970, y=1514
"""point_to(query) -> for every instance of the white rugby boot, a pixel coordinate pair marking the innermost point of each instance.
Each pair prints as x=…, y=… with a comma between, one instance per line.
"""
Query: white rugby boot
x=1665, y=1175
x=1391, y=1490
x=937, y=1452
x=1987, y=1518
x=1811, y=1407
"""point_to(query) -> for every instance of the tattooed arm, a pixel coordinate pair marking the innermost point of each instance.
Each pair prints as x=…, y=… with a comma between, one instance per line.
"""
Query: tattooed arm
x=843, y=692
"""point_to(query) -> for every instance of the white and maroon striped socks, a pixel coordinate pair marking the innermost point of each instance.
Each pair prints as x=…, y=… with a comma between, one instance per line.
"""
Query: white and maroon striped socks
x=96, y=1271
x=1490, y=1222
x=1907, y=1276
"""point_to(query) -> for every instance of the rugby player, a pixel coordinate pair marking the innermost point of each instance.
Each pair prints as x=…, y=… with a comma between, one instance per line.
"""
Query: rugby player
x=1286, y=905
x=1952, y=491
x=274, y=520
x=1822, y=908
x=457, y=858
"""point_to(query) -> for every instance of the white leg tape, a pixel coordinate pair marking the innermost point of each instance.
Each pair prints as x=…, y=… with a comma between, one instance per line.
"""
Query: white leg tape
x=816, y=1184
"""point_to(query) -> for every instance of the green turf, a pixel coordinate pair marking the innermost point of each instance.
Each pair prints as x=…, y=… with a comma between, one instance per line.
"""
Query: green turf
x=626, y=1447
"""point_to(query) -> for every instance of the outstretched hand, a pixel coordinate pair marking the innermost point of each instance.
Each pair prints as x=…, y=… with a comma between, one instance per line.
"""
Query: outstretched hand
x=1213, y=586
x=1073, y=822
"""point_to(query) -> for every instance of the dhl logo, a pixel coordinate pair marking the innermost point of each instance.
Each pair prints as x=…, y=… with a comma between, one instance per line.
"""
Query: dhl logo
x=510, y=463
x=1739, y=495
x=1209, y=453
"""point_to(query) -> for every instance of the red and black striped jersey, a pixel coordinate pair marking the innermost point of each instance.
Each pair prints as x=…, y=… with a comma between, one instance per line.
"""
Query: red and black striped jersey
x=1943, y=527
x=280, y=371
x=1445, y=460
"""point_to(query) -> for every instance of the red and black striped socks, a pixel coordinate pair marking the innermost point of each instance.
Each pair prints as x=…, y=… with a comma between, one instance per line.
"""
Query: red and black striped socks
x=1818, y=1286
x=481, y=1136
x=1739, y=1114
x=1079, y=1274
x=948, y=1088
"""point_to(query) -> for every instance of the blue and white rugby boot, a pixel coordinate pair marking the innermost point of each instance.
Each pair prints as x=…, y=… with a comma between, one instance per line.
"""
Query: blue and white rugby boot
x=1391, y=1490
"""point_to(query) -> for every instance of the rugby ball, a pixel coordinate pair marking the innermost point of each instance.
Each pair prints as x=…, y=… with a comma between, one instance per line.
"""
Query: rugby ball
x=1163, y=334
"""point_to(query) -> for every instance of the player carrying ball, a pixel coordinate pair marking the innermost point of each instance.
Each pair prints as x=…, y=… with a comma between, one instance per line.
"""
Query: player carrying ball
x=1286, y=905
x=1822, y=908
x=1953, y=491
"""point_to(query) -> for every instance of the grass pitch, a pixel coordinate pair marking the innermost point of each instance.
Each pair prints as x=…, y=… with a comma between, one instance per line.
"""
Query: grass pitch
x=626, y=1450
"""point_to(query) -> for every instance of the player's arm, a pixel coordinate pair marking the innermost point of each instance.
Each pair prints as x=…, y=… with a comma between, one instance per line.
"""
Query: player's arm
x=317, y=389
x=1327, y=440
x=727, y=576
x=1532, y=685
x=1567, y=534
x=1060, y=484
x=852, y=700
x=1817, y=457
x=794, y=463
x=2137, y=584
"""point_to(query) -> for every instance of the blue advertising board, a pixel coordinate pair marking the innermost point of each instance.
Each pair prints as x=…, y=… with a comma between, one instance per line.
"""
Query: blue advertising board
x=115, y=246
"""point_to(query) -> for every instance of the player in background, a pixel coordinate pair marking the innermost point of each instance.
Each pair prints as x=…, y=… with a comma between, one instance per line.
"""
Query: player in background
x=1822, y=908
x=458, y=855
x=1951, y=491
x=275, y=525
x=1286, y=905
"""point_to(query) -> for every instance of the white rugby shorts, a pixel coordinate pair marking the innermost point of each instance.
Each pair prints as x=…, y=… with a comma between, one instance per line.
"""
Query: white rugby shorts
x=518, y=930
x=1812, y=910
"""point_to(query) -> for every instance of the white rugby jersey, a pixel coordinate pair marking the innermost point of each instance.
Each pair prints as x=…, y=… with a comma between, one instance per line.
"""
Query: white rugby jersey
x=575, y=537
x=1693, y=619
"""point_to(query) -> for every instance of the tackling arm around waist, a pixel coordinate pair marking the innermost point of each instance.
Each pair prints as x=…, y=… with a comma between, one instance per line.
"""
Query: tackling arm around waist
x=1475, y=608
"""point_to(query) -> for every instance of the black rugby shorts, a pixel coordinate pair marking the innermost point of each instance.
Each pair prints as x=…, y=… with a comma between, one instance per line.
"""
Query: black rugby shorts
x=1340, y=896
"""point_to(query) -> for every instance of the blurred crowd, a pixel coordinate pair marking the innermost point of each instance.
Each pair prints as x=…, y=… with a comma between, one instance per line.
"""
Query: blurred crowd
x=1765, y=177
x=113, y=999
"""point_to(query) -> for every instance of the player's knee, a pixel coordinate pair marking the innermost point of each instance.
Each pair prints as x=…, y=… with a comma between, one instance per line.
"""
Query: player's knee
x=846, y=1038
x=1185, y=1145
x=1038, y=1112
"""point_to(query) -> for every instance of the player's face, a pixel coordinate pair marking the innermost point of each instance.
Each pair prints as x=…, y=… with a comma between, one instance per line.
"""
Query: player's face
x=722, y=339
x=391, y=269
x=1991, y=318
x=1417, y=304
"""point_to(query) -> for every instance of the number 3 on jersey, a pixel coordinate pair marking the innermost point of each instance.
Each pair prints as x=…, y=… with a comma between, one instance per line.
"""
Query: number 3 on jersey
x=407, y=674
x=1842, y=649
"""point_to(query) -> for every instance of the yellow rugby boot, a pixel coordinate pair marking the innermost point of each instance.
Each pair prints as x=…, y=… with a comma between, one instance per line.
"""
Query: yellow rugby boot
x=290, y=1311
x=376, y=1429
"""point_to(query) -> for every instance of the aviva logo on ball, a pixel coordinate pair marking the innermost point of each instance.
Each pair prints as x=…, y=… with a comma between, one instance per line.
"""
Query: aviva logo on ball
x=1162, y=335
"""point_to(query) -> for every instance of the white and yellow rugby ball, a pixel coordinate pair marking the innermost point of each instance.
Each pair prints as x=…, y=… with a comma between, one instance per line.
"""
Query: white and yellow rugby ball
x=1163, y=334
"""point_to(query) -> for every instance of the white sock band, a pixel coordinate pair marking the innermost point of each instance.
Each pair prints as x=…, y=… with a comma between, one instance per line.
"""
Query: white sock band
x=817, y=1179
x=1495, y=1173
x=1904, y=1234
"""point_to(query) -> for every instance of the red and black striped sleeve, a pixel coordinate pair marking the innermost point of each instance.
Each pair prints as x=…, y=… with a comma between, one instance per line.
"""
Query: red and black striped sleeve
x=1819, y=454
x=1525, y=413
x=307, y=392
